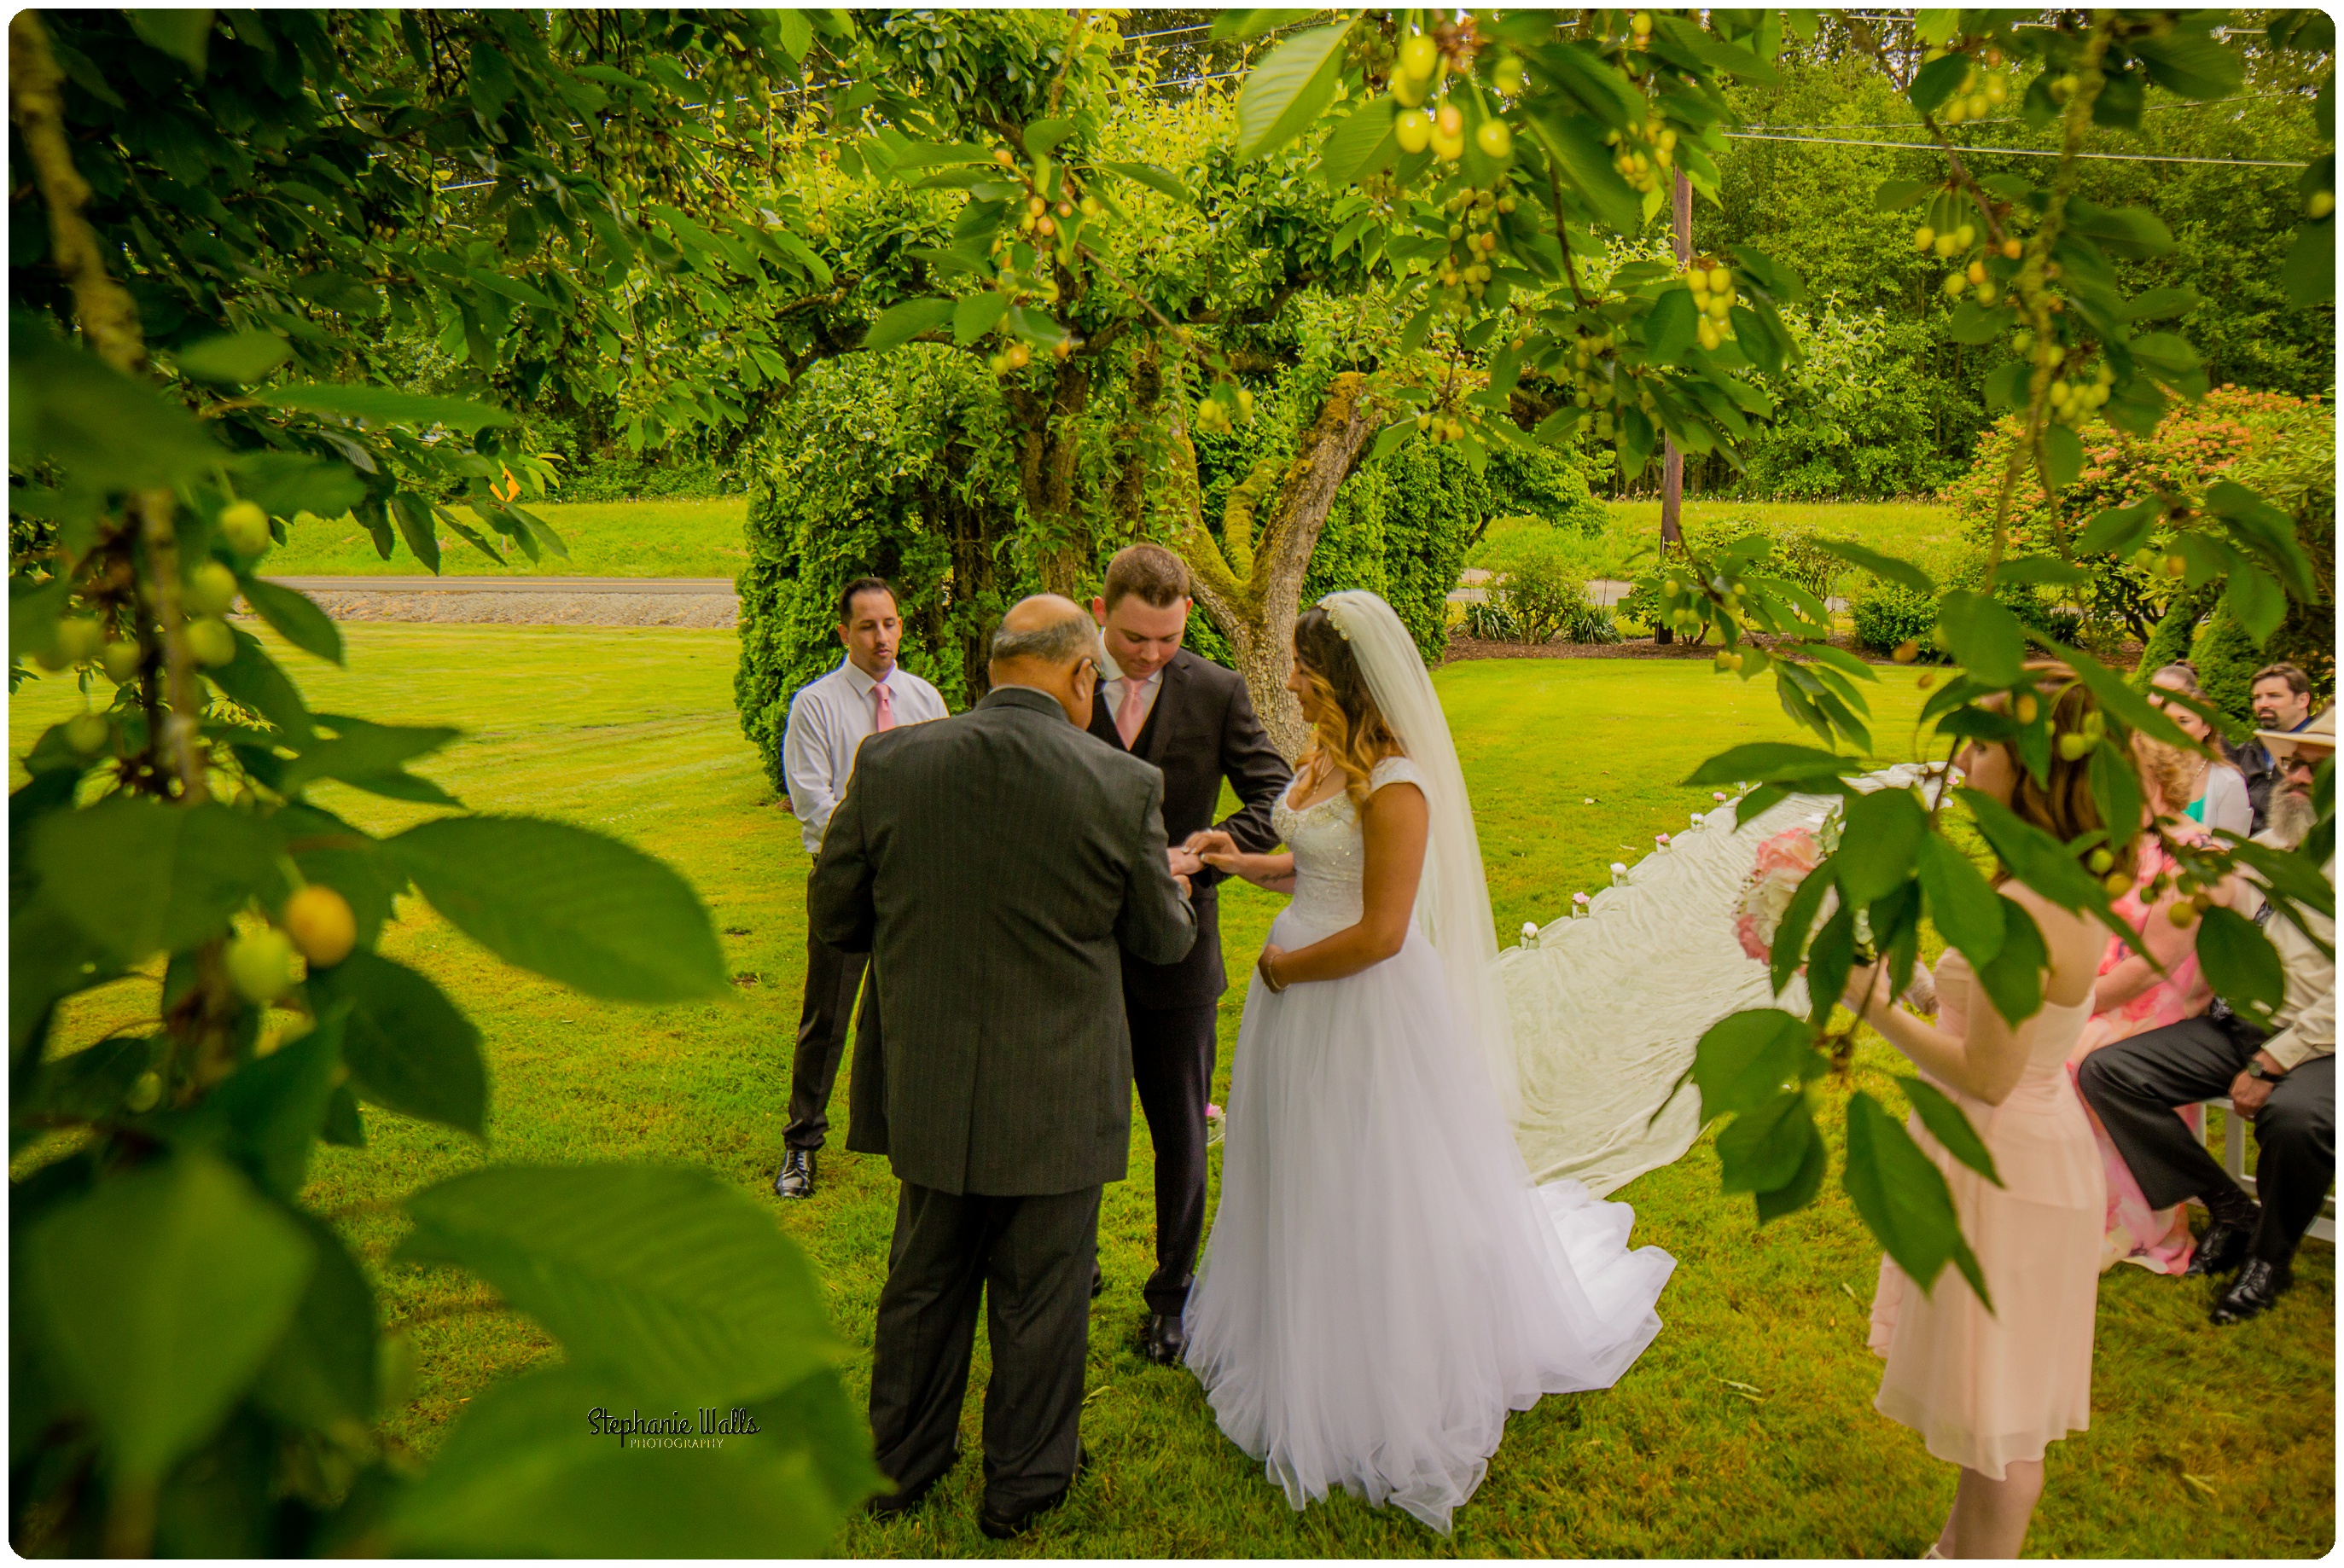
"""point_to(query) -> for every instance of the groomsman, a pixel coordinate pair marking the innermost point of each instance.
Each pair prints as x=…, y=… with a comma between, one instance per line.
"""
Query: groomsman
x=1193, y=720
x=828, y=720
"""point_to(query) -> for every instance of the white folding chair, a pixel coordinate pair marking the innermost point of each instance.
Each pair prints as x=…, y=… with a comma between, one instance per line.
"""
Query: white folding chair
x=2234, y=1160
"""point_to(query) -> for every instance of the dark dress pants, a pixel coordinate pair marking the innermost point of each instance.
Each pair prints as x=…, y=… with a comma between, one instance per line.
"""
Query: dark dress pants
x=833, y=978
x=1172, y=1053
x=2136, y=1085
x=1030, y=1259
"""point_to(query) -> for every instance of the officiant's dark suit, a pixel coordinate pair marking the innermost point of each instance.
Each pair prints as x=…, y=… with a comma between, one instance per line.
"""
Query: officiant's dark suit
x=1201, y=731
x=998, y=866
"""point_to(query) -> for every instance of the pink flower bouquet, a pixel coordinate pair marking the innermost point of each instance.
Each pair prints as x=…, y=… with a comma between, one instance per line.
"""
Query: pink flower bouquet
x=1784, y=862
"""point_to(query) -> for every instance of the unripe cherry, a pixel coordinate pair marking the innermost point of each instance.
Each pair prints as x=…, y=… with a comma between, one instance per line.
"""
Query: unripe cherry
x=89, y=732
x=1417, y=55
x=1414, y=131
x=1924, y=238
x=1494, y=139
x=2321, y=204
x=121, y=661
x=260, y=964
x=321, y=925
x=245, y=527
x=211, y=587
x=211, y=641
x=1450, y=121
x=2102, y=863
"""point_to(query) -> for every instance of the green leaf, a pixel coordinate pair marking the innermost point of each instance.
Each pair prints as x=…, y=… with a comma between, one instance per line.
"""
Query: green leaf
x=413, y=514
x=2044, y=569
x=666, y=1279
x=1290, y=88
x=253, y=680
x=185, y=35
x=237, y=360
x=1900, y=1192
x=107, y=430
x=794, y=32
x=2013, y=979
x=1764, y=761
x=1361, y=141
x=382, y=406
x=1887, y=568
x=1746, y=1058
x=284, y=484
x=1896, y=196
x=407, y=1047
x=2120, y=530
x=1236, y=24
x=2063, y=455
x=489, y=82
x=361, y=753
x=156, y=1298
x=1934, y=83
x=902, y=322
x=2133, y=233
x=295, y=617
x=1764, y=1149
x=919, y=156
x=2190, y=64
x=2310, y=270
x=139, y=877
x=1154, y=179
x=977, y=314
x=1668, y=329
x=322, y=1372
x=1982, y=636
x=1963, y=903
x=268, y=1114
x=1578, y=145
x=2242, y=964
x=1800, y=1191
x=1949, y=1126
x=522, y=1474
x=1798, y=926
x=1043, y=135
x=1885, y=832
x=2114, y=776
x=2256, y=599
x=571, y=905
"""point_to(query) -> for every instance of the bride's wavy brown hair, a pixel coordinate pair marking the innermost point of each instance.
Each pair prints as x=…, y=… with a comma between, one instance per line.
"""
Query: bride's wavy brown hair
x=1350, y=731
x=2061, y=802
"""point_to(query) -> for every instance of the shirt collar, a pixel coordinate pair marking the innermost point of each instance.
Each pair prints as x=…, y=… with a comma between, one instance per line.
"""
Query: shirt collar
x=861, y=682
x=1115, y=672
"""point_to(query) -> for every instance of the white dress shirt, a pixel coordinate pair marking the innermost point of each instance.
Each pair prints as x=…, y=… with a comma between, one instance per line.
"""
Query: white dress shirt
x=828, y=720
x=1112, y=688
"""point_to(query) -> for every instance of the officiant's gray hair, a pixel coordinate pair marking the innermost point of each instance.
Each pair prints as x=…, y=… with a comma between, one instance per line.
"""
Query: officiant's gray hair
x=1055, y=642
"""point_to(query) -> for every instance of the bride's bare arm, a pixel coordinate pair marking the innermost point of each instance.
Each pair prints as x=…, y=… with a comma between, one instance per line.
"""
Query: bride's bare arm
x=1394, y=826
x=1219, y=850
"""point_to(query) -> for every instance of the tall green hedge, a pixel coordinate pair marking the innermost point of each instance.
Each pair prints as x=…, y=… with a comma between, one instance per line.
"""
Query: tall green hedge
x=890, y=465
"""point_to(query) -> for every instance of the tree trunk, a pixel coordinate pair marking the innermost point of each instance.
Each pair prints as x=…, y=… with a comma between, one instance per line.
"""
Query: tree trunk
x=1252, y=589
x=1672, y=459
x=1049, y=449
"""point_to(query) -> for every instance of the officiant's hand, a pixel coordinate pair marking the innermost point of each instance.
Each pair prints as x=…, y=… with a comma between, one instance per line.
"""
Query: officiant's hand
x=1186, y=891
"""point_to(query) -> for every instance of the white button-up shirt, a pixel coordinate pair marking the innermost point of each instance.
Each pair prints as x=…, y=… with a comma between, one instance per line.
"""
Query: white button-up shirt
x=829, y=721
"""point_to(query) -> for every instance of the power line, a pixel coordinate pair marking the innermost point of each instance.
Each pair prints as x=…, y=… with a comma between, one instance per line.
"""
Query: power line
x=2018, y=120
x=2022, y=151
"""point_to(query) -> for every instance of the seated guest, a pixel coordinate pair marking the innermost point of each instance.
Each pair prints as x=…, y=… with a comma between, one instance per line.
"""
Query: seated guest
x=2217, y=795
x=2282, y=694
x=2284, y=1081
x=2132, y=998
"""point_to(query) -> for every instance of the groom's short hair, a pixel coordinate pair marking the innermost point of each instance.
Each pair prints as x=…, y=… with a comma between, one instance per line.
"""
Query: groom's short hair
x=1151, y=572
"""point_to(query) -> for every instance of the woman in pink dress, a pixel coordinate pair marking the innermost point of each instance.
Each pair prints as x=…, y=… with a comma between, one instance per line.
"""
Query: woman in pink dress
x=2131, y=998
x=1988, y=1390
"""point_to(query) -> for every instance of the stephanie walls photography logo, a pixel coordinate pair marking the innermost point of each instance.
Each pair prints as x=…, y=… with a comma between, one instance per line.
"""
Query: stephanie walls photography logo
x=707, y=1429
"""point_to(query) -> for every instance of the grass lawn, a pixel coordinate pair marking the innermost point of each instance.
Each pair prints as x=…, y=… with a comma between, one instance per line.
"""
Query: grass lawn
x=606, y=538
x=2213, y=1443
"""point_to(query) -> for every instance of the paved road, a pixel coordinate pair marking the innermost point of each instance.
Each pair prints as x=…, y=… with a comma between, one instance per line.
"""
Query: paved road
x=511, y=585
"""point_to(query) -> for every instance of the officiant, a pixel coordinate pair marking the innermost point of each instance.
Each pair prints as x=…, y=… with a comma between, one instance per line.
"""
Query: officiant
x=1194, y=721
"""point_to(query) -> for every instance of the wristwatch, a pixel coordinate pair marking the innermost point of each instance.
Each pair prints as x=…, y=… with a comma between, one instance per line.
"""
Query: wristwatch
x=2255, y=1068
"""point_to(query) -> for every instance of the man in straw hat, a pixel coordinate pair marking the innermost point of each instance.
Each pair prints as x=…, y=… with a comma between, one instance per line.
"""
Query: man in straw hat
x=2282, y=1079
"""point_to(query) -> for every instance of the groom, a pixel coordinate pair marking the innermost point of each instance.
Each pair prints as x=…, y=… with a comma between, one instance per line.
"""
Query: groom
x=1192, y=719
x=998, y=866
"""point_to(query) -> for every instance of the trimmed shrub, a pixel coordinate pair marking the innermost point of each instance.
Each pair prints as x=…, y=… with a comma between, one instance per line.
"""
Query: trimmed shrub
x=1536, y=597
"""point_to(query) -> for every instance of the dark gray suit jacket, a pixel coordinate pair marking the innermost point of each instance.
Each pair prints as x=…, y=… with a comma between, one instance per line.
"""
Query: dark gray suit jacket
x=997, y=866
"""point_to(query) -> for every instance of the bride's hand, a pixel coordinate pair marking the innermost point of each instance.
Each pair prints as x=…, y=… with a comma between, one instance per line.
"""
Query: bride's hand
x=1210, y=842
x=1270, y=955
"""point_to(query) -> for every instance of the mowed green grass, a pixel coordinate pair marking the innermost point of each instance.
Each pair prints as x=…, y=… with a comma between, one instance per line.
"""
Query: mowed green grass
x=1624, y=547
x=699, y=539
x=632, y=732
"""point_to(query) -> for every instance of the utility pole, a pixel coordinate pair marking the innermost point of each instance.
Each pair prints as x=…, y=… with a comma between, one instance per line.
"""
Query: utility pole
x=1672, y=459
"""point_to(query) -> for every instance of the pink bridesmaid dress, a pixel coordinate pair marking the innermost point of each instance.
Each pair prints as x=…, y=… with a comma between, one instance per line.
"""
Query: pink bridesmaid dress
x=1984, y=1388
x=2158, y=1239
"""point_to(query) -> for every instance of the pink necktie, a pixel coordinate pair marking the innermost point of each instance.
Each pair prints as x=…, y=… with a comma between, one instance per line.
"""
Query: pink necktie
x=887, y=705
x=1132, y=714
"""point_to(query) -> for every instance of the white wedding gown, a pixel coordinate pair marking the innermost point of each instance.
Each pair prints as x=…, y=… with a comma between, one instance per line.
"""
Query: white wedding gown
x=1383, y=1283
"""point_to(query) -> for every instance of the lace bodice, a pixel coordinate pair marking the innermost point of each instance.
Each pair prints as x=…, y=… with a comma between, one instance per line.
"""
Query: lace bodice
x=1330, y=854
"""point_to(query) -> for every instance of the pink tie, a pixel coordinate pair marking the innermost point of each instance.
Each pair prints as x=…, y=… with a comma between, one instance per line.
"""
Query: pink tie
x=887, y=705
x=1131, y=715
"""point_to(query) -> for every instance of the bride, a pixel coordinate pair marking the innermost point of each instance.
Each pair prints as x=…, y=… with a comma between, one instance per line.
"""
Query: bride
x=1384, y=1283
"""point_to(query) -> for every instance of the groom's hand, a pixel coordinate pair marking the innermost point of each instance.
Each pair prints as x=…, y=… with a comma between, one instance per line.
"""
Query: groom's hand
x=1184, y=864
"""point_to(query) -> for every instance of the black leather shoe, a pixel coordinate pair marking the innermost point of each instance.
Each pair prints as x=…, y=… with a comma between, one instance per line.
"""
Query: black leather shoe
x=1009, y=1526
x=1098, y=1280
x=796, y=1178
x=2224, y=1245
x=896, y=1504
x=2256, y=1292
x=1163, y=1339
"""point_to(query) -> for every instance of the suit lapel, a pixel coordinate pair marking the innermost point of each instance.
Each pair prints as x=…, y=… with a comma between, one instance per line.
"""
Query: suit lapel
x=1103, y=719
x=1159, y=718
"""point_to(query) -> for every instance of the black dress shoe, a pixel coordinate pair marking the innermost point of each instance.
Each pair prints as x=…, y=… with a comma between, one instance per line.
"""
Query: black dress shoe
x=796, y=1178
x=2256, y=1292
x=2223, y=1246
x=1009, y=1526
x=1163, y=1339
x=896, y=1504
x=1098, y=1280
